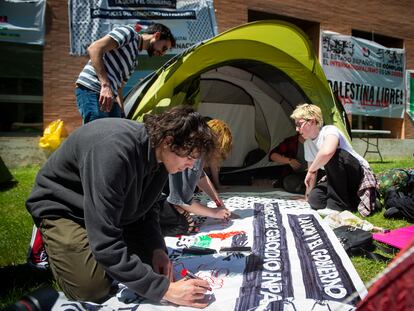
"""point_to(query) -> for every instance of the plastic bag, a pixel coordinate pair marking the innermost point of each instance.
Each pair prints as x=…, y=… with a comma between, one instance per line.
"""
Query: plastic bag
x=52, y=136
x=346, y=218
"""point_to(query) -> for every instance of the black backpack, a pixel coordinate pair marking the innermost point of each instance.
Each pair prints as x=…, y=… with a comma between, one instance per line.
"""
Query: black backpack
x=354, y=240
x=358, y=242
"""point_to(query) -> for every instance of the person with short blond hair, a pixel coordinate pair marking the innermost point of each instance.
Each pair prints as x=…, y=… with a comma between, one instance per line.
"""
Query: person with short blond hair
x=350, y=183
x=308, y=112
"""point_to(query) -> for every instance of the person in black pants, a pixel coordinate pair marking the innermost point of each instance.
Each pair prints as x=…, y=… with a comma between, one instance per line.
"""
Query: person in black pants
x=348, y=175
x=339, y=190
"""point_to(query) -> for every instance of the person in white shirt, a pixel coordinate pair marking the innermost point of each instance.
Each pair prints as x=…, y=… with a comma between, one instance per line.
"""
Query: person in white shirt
x=327, y=148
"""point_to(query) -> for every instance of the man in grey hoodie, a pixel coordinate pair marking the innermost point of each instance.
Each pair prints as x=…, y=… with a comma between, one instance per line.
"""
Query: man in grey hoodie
x=95, y=203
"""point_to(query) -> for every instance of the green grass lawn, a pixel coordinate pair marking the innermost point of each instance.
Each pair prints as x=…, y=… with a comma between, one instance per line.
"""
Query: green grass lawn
x=15, y=232
x=368, y=268
x=16, y=227
x=16, y=223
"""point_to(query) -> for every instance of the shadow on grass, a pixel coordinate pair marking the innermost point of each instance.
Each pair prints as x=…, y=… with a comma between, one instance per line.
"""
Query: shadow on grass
x=19, y=280
x=380, y=162
x=4, y=186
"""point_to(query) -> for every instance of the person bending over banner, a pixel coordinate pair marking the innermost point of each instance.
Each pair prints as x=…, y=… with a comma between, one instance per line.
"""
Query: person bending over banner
x=94, y=202
x=174, y=215
x=349, y=184
x=112, y=61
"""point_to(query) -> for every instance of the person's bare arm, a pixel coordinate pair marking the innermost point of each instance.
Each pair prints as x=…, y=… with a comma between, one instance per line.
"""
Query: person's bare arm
x=120, y=97
x=206, y=185
x=96, y=51
x=197, y=208
x=323, y=156
x=215, y=170
x=202, y=210
x=310, y=181
x=281, y=159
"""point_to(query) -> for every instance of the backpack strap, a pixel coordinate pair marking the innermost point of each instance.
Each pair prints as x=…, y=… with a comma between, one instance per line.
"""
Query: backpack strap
x=388, y=249
x=371, y=255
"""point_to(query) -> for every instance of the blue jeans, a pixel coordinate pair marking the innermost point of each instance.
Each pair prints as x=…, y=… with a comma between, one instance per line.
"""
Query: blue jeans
x=88, y=106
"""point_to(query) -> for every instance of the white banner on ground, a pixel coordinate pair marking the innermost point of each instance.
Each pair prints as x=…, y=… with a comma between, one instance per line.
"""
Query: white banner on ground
x=191, y=21
x=367, y=77
x=294, y=262
x=22, y=21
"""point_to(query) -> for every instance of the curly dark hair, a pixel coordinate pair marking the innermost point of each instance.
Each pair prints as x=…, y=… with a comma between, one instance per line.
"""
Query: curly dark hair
x=190, y=133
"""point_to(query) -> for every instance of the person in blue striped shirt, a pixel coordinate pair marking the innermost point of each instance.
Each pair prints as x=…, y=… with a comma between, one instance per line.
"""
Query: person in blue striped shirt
x=113, y=58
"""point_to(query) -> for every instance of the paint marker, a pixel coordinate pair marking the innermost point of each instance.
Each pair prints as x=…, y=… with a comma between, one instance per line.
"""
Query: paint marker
x=236, y=249
x=196, y=250
x=190, y=275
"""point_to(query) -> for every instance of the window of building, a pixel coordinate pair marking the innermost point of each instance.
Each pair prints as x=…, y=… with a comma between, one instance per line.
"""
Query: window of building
x=309, y=27
x=367, y=122
x=21, y=87
x=389, y=42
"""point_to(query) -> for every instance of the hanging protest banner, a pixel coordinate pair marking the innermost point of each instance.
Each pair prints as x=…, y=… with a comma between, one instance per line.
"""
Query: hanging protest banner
x=22, y=21
x=191, y=21
x=367, y=77
x=410, y=93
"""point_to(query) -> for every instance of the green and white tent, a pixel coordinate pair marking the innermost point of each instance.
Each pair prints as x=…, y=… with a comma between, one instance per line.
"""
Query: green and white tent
x=251, y=77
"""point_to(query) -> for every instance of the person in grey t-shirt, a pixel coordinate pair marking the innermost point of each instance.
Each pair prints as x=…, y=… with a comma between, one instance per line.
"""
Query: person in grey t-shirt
x=174, y=216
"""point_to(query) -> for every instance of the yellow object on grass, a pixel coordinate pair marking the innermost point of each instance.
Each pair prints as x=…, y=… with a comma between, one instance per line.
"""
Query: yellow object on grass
x=52, y=136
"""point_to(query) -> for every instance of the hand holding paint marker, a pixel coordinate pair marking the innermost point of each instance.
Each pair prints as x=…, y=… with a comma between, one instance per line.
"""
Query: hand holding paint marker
x=188, y=274
x=220, y=204
x=189, y=292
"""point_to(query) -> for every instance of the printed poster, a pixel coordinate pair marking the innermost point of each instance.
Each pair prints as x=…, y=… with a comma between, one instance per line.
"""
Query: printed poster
x=367, y=77
x=22, y=21
x=410, y=93
x=191, y=21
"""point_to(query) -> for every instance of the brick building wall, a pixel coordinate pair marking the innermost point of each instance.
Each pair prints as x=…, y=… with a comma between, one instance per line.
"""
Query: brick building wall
x=60, y=69
x=387, y=18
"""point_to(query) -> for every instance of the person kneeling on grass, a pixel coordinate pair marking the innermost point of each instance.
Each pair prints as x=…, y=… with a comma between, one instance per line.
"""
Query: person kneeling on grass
x=350, y=183
x=174, y=215
x=94, y=202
